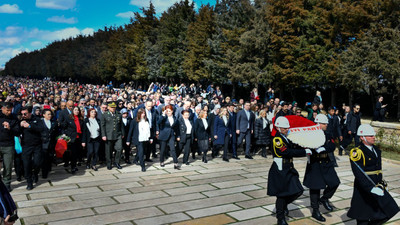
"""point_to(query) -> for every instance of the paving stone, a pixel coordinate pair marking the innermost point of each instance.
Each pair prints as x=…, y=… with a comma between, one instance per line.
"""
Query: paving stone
x=163, y=181
x=81, y=204
x=215, y=220
x=256, y=202
x=304, y=222
x=190, y=189
x=213, y=175
x=39, y=202
x=147, y=203
x=141, y=196
x=235, y=183
x=156, y=187
x=213, y=210
x=165, y=176
x=249, y=213
x=117, y=186
x=28, y=211
x=258, y=221
x=166, y=219
x=100, y=194
x=203, y=203
x=213, y=180
x=257, y=194
x=113, y=217
x=51, y=194
x=226, y=191
x=68, y=215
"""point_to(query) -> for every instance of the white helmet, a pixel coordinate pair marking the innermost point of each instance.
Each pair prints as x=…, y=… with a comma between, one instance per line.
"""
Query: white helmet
x=365, y=130
x=282, y=122
x=321, y=118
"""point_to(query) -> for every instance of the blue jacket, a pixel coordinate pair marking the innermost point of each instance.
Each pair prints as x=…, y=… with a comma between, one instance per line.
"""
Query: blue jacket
x=220, y=129
x=242, y=122
x=167, y=130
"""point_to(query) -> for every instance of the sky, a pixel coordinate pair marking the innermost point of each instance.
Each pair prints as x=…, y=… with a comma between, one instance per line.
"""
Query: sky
x=27, y=25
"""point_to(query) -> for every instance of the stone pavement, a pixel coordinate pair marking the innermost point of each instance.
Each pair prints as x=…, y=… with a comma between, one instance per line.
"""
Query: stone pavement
x=213, y=193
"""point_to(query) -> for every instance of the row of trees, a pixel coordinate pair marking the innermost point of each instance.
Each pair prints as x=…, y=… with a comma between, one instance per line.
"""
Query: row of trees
x=288, y=44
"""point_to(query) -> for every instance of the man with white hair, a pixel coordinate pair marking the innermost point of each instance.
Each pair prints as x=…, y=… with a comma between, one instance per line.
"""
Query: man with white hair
x=371, y=203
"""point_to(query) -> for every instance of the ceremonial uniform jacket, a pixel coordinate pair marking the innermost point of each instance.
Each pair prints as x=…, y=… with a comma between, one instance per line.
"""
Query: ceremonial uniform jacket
x=364, y=204
x=320, y=171
x=285, y=181
x=112, y=126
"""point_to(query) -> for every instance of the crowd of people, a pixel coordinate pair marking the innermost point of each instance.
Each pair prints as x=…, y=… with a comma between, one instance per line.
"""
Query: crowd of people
x=131, y=125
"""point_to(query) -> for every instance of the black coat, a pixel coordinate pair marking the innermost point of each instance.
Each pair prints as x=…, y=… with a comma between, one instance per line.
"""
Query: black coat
x=133, y=134
x=320, y=172
x=334, y=126
x=49, y=136
x=365, y=205
x=167, y=130
x=353, y=122
x=232, y=124
x=126, y=128
x=68, y=127
x=7, y=136
x=284, y=182
x=183, y=129
x=261, y=135
x=31, y=136
x=199, y=130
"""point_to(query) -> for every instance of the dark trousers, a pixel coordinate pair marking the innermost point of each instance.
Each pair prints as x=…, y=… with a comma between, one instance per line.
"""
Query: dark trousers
x=102, y=151
x=127, y=149
x=150, y=150
x=171, y=143
x=245, y=136
x=8, y=158
x=282, y=202
x=347, y=139
x=112, y=145
x=47, y=161
x=18, y=165
x=74, y=149
x=225, y=146
x=93, y=147
x=32, y=160
x=315, y=196
x=372, y=222
x=142, y=147
x=233, y=145
x=185, y=147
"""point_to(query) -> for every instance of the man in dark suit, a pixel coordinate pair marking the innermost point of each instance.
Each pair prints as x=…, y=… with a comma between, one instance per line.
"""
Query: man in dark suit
x=100, y=111
x=232, y=124
x=151, y=115
x=353, y=121
x=126, y=121
x=211, y=120
x=67, y=124
x=49, y=135
x=245, y=127
x=112, y=132
x=186, y=132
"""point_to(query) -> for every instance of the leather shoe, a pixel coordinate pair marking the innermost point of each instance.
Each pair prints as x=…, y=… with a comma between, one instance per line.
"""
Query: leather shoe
x=235, y=157
x=73, y=170
x=117, y=165
x=187, y=163
x=29, y=187
x=225, y=159
x=282, y=222
x=193, y=156
x=162, y=164
x=154, y=155
x=177, y=167
x=148, y=160
x=143, y=169
x=19, y=179
x=128, y=162
x=8, y=188
x=109, y=167
x=326, y=205
x=248, y=157
x=94, y=168
x=286, y=211
x=317, y=215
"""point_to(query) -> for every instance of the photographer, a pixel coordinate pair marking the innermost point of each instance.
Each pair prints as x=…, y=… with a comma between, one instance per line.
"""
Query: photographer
x=8, y=210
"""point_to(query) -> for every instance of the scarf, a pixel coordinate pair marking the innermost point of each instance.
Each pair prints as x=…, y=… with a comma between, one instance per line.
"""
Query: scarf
x=78, y=126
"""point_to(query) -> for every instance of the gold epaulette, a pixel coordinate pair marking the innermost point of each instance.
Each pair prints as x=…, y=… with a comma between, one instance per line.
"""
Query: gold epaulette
x=356, y=154
x=277, y=143
x=375, y=172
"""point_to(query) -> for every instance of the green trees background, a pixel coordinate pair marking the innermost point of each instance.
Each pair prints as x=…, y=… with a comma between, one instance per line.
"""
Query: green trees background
x=346, y=45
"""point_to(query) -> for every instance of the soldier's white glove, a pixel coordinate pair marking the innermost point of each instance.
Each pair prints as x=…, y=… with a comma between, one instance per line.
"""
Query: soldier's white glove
x=377, y=191
x=308, y=151
x=320, y=149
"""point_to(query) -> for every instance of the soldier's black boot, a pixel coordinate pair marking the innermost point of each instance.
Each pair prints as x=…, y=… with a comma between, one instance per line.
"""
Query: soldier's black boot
x=286, y=211
x=317, y=215
x=282, y=221
x=325, y=203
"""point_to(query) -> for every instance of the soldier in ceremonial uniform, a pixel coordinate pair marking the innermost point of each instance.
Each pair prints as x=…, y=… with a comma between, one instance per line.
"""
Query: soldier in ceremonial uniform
x=371, y=203
x=112, y=132
x=320, y=172
x=283, y=178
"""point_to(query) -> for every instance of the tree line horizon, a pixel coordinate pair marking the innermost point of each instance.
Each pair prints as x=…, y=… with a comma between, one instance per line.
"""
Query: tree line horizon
x=338, y=46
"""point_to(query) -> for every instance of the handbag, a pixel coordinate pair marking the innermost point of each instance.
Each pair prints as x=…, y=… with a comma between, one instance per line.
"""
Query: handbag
x=61, y=147
x=18, y=147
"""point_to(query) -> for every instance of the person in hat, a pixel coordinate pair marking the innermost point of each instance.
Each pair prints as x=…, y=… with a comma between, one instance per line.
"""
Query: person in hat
x=112, y=132
x=371, y=203
x=320, y=172
x=283, y=178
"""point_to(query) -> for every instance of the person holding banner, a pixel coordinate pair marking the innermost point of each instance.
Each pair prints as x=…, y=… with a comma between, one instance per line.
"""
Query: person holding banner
x=283, y=178
x=371, y=203
x=320, y=172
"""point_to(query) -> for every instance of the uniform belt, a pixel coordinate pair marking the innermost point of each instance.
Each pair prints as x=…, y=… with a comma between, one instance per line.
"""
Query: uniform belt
x=287, y=160
x=376, y=172
x=321, y=156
